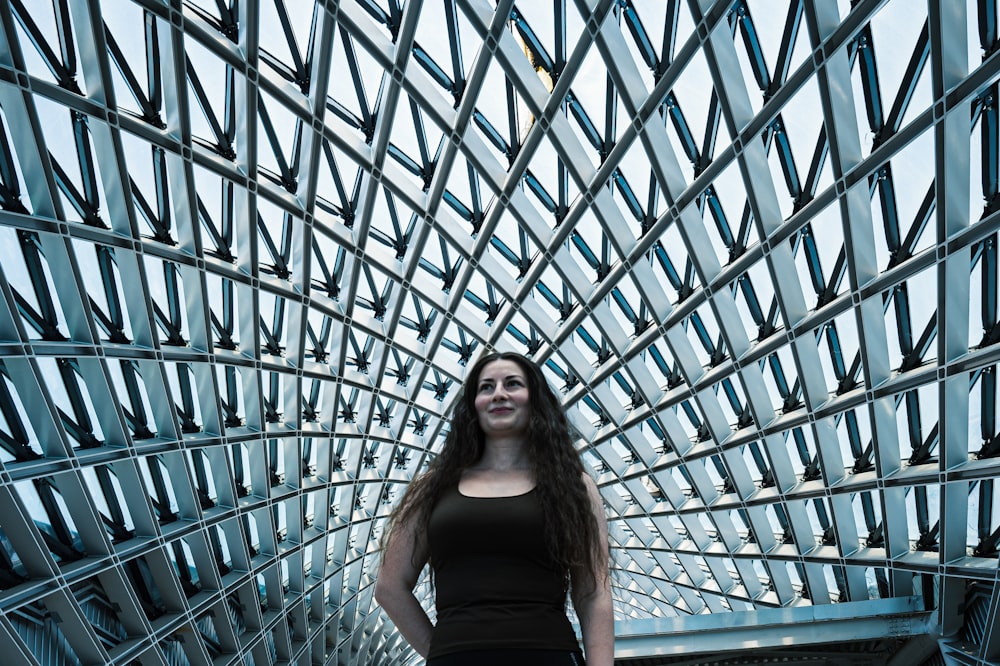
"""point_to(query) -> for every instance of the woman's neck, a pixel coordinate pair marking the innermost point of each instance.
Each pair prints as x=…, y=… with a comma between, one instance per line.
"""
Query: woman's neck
x=503, y=455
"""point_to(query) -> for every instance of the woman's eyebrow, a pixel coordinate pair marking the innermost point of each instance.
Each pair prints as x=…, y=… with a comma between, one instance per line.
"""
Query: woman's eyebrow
x=483, y=382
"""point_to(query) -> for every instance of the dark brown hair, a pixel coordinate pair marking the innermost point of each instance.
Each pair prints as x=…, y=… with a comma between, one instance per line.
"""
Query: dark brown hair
x=570, y=526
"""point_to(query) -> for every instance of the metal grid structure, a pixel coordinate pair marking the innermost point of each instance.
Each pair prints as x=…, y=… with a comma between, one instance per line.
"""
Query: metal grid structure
x=248, y=249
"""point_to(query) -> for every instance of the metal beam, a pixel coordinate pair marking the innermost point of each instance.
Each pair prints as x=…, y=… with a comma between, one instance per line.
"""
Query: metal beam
x=898, y=617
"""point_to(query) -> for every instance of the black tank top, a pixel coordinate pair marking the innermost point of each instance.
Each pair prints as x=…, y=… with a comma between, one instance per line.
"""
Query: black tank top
x=496, y=584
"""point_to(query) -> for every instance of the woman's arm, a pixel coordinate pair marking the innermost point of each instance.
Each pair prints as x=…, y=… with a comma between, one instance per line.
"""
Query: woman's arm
x=402, y=561
x=593, y=604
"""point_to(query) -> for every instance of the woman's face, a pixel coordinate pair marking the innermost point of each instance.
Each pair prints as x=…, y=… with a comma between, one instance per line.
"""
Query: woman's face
x=503, y=402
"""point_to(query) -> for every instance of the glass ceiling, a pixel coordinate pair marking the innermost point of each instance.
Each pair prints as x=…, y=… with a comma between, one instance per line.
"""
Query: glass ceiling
x=248, y=250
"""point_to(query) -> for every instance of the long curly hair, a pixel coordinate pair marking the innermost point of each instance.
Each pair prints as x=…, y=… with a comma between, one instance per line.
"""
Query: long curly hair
x=571, y=529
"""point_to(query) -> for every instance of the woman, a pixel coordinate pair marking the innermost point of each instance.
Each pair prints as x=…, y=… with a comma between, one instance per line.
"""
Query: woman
x=509, y=522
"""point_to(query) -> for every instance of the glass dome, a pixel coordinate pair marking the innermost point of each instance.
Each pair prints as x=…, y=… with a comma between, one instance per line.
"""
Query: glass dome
x=249, y=249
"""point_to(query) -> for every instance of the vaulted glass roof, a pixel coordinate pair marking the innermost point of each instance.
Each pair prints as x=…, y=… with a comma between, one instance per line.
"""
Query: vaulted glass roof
x=249, y=249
